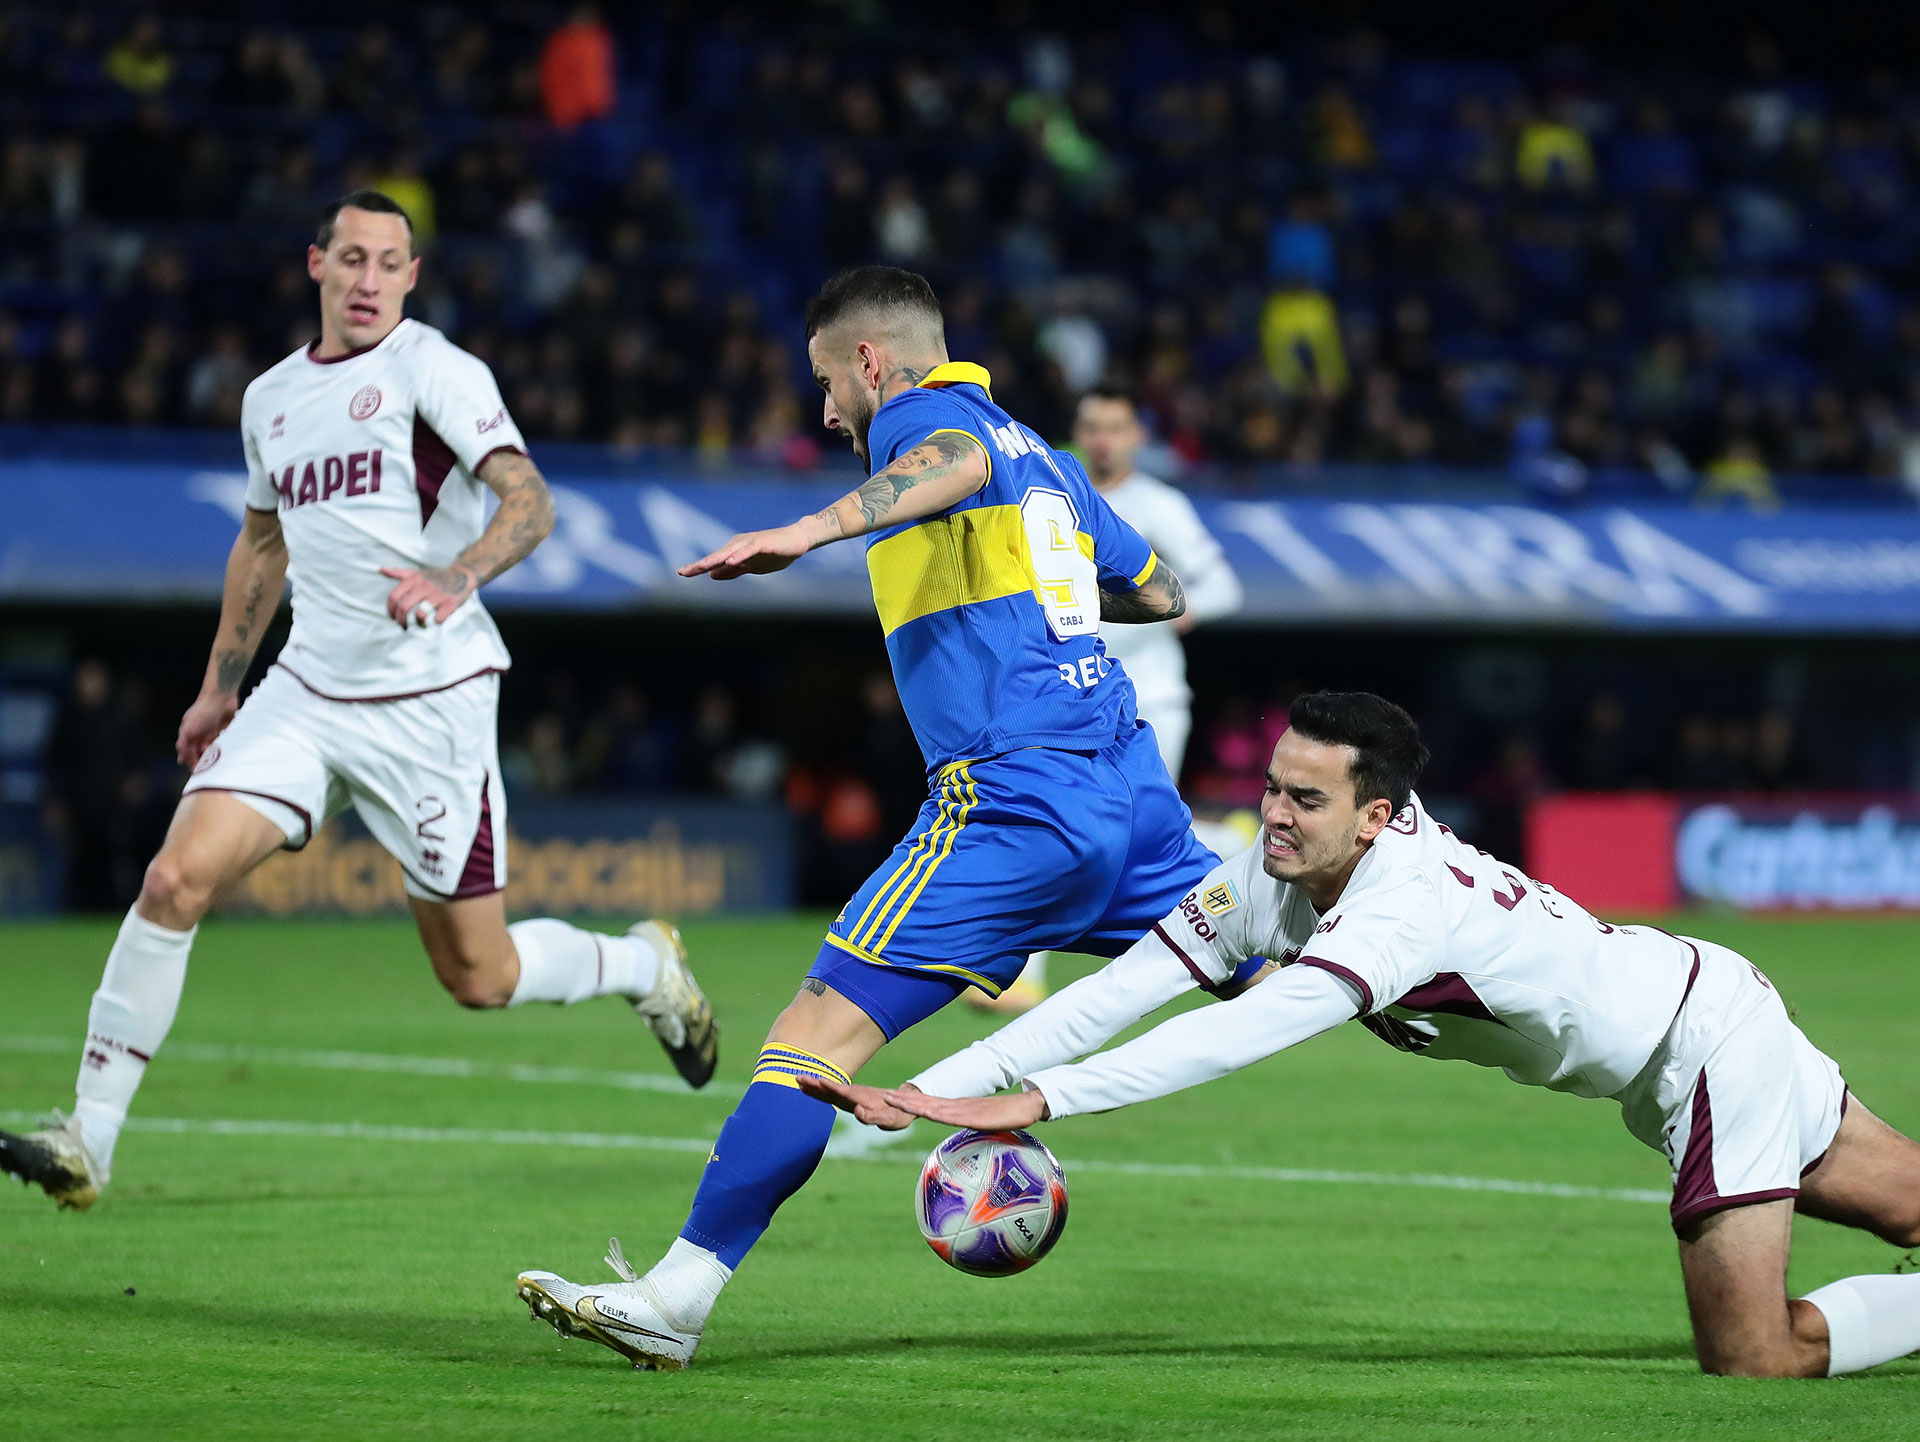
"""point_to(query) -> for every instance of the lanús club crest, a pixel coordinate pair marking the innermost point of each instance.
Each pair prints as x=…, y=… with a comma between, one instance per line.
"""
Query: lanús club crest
x=365, y=402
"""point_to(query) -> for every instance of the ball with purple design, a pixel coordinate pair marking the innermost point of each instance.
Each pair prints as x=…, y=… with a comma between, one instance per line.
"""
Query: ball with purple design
x=991, y=1203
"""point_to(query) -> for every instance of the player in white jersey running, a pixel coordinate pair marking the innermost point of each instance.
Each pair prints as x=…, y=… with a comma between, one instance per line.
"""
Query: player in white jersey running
x=368, y=453
x=1108, y=436
x=1365, y=906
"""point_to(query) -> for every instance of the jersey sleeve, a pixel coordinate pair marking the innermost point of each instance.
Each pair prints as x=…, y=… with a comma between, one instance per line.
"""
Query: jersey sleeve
x=460, y=400
x=1219, y=924
x=1120, y=553
x=1383, y=944
x=1199, y=1046
x=261, y=494
x=918, y=415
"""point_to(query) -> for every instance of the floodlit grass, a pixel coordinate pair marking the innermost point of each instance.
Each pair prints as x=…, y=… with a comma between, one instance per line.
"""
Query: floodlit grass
x=260, y=1285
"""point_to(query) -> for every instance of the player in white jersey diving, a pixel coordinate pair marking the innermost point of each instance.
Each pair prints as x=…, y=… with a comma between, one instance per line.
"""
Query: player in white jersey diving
x=1108, y=436
x=1365, y=906
x=368, y=455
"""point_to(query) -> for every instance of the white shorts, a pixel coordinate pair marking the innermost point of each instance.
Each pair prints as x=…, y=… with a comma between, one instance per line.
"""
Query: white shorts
x=423, y=772
x=1741, y=1103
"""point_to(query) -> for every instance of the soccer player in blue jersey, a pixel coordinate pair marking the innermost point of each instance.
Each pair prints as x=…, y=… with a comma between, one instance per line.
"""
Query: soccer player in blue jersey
x=1052, y=823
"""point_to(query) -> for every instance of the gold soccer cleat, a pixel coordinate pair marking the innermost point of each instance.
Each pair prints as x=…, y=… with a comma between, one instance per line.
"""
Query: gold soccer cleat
x=676, y=1009
x=54, y=1159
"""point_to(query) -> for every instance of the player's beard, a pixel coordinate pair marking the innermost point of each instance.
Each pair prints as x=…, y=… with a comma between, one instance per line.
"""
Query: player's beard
x=858, y=417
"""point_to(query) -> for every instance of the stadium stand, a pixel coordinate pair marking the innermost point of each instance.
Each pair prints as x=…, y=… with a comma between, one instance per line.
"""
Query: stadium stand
x=1332, y=254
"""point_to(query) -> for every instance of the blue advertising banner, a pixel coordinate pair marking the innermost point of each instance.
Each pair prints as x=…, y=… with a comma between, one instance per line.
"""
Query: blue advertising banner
x=126, y=529
x=1837, y=852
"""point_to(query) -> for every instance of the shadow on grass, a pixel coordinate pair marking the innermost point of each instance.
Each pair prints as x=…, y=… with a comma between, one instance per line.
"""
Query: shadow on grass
x=1039, y=1345
x=313, y=1333
x=421, y=1337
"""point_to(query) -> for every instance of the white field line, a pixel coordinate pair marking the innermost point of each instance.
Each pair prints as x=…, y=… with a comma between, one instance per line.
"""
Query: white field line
x=619, y=1141
x=364, y=1061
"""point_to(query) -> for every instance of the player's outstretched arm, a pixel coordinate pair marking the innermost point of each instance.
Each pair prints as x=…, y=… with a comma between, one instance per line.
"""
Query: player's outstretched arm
x=256, y=574
x=524, y=520
x=1158, y=598
x=940, y=472
x=1195, y=1047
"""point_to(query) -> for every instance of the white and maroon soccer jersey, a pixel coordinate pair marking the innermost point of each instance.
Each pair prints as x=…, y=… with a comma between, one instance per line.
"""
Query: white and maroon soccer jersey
x=1454, y=954
x=370, y=461
x=1152, y=654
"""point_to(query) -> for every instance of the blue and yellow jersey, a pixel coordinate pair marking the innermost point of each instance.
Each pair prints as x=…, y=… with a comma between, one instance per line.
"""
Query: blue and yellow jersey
x=992, y=609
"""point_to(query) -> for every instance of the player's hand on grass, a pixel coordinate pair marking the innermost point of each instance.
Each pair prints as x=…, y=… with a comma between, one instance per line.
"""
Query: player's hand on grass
x=428, y=597
x=206, y=718
x=867, y=1104
x=756, y=553
x=983, y=1114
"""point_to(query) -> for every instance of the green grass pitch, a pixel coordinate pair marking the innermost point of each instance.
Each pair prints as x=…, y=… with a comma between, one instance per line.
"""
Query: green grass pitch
x=358, y=1284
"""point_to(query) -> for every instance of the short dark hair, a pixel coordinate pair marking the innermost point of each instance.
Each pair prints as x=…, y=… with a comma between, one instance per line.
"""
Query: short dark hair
x=1108, y=392
x=1388, y=754
x=373, y=200
x=872, y=287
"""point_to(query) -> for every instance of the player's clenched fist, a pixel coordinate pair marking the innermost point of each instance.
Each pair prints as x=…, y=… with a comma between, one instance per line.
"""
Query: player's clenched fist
x=206, y=718
x=428, y=597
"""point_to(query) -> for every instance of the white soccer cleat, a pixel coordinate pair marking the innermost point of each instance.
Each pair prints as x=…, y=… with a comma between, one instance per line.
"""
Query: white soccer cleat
x=676, y=1008
x=55, y=1159
x=626, y=1315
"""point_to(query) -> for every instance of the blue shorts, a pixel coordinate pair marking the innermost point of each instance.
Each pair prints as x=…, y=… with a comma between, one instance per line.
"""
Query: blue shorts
x=1035, y=850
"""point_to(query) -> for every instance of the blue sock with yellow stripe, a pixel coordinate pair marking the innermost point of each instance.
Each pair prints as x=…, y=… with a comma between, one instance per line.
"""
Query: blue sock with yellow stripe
x=766, y=1152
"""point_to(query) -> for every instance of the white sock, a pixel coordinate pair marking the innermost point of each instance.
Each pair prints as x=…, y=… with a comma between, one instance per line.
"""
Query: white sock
x=562, y=963
x=688, y=1280
x=1870, y=1320
x=130, y=1016
x=1035, y=970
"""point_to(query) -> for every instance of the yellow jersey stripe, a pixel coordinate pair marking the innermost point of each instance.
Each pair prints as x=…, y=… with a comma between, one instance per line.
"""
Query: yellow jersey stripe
x=904, y=873
x=965, y=774
x=912, y=855
x=954, y=373
x=950, y=808
x=955, y=559
x=986, y=984
x=1153, y=564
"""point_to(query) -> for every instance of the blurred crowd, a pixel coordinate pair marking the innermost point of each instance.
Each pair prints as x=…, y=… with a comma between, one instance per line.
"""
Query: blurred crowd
x=1335, y=253
x=820, y=733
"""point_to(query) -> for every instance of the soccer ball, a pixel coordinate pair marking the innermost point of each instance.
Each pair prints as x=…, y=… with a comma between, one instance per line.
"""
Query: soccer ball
x=991, y=1203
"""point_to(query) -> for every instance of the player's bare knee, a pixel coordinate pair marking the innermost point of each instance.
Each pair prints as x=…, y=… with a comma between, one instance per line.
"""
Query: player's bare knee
x=477, y=990
x=477, y=982
x=171, y=895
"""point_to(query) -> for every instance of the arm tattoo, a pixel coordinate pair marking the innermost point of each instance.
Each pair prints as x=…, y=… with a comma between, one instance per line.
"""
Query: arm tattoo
x=1160, y=598
x=939, y=456
x=249, y=615
x=814, y=985
x=256, y=570
x=523, y=521
x=230, y=668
